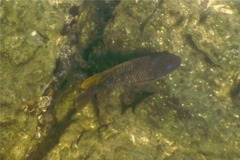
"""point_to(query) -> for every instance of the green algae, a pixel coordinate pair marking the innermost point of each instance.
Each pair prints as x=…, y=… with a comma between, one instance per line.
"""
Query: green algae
x=28, y=54
x=193, y=113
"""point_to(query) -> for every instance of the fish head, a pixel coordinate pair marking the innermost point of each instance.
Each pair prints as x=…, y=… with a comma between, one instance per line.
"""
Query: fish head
x=165, y=63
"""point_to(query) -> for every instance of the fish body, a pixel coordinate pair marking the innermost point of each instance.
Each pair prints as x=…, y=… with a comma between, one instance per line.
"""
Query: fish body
x=131, y=72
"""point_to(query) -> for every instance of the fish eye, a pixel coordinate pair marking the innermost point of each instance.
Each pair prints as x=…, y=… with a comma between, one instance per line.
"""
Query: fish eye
x=169, y=66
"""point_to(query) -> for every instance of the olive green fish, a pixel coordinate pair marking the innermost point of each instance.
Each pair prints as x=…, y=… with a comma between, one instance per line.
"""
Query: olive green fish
x=129, y=73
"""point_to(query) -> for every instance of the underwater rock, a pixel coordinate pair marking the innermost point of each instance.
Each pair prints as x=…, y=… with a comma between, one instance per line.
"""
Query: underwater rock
x=29, y=49
x=192, y=113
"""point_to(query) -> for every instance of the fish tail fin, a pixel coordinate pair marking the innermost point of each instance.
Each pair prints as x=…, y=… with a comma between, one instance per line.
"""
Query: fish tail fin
x=84, y=98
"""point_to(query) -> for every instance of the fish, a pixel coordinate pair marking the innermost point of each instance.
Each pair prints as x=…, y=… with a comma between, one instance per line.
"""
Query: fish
x=139, y=70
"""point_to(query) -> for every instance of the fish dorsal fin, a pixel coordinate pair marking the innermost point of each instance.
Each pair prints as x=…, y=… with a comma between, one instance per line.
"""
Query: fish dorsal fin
x=93, y=81
x=100, y=77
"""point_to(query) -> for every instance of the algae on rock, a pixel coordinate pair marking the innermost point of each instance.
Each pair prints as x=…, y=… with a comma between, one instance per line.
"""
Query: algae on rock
x=193, y=113
x=29, y=35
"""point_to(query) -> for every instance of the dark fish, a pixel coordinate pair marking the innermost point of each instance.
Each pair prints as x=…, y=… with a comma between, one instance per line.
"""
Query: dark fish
x=129, y=73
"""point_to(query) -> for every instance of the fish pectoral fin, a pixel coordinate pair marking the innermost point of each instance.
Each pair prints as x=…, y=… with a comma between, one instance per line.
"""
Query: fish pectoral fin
x=131, y=99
